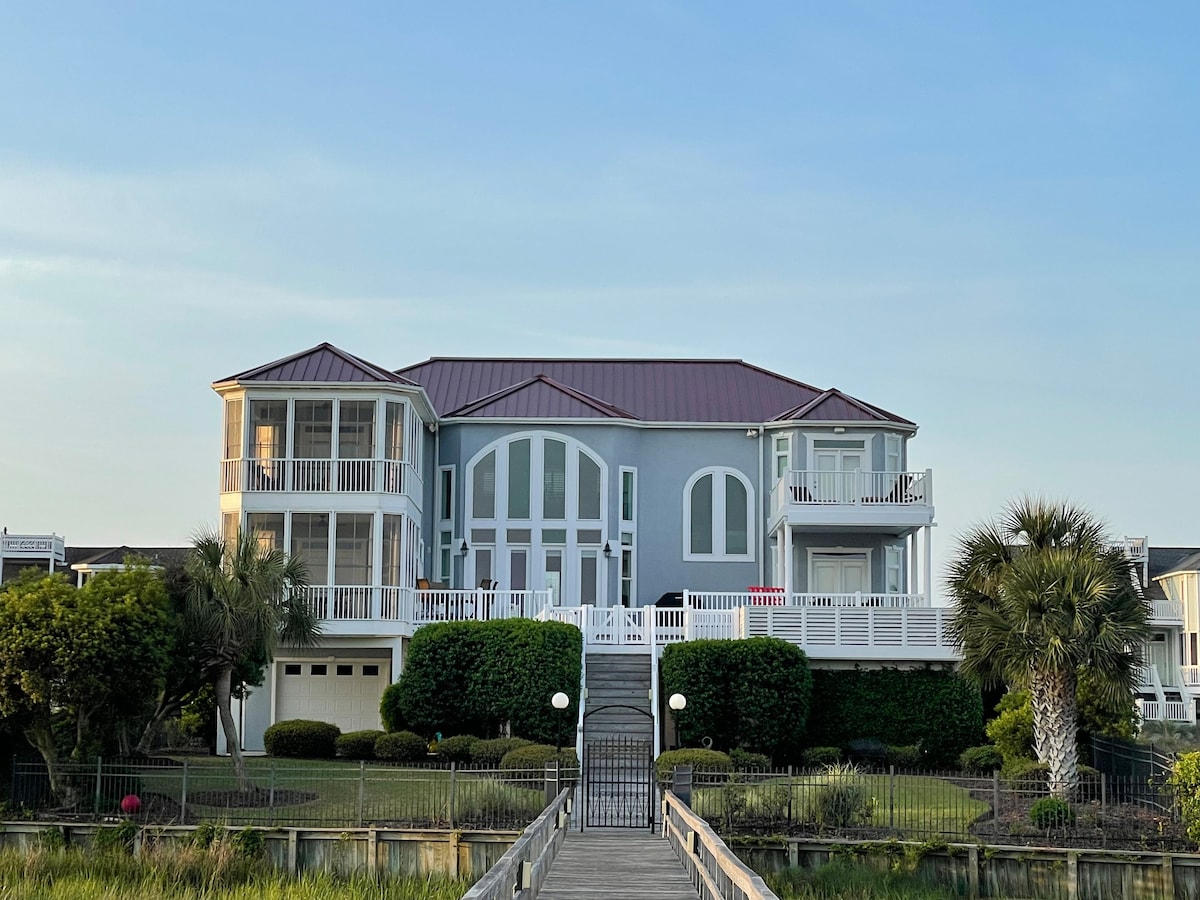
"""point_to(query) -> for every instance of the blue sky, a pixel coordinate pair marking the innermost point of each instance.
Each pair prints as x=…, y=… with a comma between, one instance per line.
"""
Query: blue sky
x=981, y=216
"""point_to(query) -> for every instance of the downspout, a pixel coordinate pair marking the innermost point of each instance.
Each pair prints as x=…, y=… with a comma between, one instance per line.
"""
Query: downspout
x=762, y=513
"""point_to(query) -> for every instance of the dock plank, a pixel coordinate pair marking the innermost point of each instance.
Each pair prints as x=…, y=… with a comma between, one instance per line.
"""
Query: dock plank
x=616, y=863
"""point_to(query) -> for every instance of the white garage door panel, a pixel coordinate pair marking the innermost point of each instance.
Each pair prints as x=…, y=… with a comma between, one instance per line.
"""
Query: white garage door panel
x=350, y=702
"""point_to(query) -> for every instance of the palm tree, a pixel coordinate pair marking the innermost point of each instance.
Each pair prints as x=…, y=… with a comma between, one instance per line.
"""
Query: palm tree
x=1041, y=595
x=246, y=597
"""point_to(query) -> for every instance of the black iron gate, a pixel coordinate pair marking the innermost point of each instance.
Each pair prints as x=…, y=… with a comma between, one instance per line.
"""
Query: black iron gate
x=618, y=783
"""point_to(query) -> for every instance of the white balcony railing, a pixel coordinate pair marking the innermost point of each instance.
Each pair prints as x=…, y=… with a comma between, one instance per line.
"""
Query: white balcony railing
x=858, y=488
x=386, y=476
x=341, y=601
x=923, y=630
x=1166, y=611
x=1191, y=676
x=771, y=597
x=1163, y=711
x=461, y=606
x=646, y=626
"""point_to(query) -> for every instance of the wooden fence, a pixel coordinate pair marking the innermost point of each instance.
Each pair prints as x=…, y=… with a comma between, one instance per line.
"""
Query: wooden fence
x=715, y=871
x=521, y=871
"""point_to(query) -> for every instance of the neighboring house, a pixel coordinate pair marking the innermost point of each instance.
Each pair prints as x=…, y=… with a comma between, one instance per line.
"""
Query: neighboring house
x=51, y=553
x=584, y=490
x=1170, y=683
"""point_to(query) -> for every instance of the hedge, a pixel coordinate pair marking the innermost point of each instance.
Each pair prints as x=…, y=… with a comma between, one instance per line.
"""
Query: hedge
x=358, y=744
x=402, y=746
x=938, y=709
x=473, y=677
x=535, y=756
x=302, y=739
x=753, y=694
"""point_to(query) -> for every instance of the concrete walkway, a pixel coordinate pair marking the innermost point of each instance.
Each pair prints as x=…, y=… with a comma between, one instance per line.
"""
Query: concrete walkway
x=629, y=864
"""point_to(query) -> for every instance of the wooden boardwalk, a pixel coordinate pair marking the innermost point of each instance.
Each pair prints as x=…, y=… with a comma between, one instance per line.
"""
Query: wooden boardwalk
x=623, y=863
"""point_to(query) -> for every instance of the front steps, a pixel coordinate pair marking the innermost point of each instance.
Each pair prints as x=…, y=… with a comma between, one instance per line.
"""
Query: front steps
x=618, y=680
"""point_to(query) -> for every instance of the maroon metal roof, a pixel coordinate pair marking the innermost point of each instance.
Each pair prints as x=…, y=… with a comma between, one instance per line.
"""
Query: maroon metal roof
x=834, y=406
x=656, y=390
x=322, y=363
x=542, y=398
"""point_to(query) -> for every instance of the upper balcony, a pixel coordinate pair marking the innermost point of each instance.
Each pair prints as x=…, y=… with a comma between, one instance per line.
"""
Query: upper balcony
x=886, y=500
x=1166, y=612
x=384, y=476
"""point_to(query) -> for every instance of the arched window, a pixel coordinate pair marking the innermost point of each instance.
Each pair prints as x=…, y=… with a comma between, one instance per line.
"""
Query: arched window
x=718, y=516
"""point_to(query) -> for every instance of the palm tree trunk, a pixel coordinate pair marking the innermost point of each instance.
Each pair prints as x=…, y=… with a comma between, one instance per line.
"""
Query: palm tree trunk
x=1052, y=694
x=224, y=686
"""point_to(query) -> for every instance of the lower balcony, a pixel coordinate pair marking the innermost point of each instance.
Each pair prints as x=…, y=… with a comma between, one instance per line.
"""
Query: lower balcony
x=410, y=608
x=1163, y=711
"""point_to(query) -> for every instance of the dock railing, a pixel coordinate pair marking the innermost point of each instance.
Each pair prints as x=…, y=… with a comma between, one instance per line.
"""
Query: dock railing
x=715, y=871
x=520, y=872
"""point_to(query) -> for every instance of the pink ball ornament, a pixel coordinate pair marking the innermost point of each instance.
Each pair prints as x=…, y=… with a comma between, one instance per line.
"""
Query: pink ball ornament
x=130, y=804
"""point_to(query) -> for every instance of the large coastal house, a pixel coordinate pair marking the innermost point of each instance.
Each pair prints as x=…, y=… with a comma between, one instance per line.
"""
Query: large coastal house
x=643, y=500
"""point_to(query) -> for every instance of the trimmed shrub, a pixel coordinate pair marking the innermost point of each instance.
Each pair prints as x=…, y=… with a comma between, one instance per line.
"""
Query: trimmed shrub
x=1185, y=784
x=535, y=756
x=456, y=749
x=302, y=739
x=745, y=761
x=389, y=709
x=985, y=758
x=939, y=709
x=1012, y=729
x=358, y=744
x=488, y=754
x=753, y=694
x=473, y=677
x=819, y=757
x=698, y=759
x=402, y=746
x=909, y=756
x=1051, y=812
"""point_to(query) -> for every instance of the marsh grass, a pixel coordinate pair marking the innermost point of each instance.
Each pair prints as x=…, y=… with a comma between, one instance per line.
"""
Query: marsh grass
x=845, y=881
x=222, y=871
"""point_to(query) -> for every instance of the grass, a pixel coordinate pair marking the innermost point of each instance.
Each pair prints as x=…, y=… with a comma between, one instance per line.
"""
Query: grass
x=192, y=874
x=338, y=794
x=921, y=805
x=844, y=881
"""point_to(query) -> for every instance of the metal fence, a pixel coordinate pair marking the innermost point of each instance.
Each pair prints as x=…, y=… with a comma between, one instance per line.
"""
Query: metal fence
x=285, y=792
x=1105, y=811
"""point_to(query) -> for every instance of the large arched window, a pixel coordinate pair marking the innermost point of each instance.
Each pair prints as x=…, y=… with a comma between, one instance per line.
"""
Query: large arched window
x=718, y=516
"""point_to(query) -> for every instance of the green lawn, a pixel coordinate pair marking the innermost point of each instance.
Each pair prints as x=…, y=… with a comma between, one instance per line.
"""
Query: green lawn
x=921, y=806
x=341, y=794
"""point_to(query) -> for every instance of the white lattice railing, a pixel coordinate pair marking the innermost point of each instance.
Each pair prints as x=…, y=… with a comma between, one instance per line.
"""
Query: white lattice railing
x=849, y=628
x=388, y=476
x=857, y=488
x=736, y=600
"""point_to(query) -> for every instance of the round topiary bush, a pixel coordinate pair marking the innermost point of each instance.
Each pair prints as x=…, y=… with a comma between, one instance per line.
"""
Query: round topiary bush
x=985, y=758
x=402, y=746
x=906, y=756
x=487, y=754
x=1051, y=812
x=456, y=749
x=302, y=739
x=700, y=760
x=819, y=757
x=358, y=744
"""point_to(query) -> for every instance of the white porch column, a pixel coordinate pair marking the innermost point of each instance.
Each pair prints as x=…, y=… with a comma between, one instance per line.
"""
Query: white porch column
x=913, y=585
x=928, y=564
x=787, y=563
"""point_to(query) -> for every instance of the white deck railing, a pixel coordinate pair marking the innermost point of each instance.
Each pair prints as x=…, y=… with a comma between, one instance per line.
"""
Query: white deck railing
x=645, y=626
x=1166, y=610
x=858, y=488
x=1191, y=676
x=1168, y=711
x=386, y=476
x=738, y=599
x=813, y=627
x=397, y=604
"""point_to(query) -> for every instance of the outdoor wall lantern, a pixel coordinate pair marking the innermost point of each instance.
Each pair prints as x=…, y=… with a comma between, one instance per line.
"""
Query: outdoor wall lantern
x=462, y=551
x=607, y=550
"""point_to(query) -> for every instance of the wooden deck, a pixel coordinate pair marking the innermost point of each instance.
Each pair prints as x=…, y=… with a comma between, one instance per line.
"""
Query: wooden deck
x=616, y=863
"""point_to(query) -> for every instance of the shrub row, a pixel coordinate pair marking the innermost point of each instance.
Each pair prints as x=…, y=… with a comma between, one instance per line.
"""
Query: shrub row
x=473, y=677
x=306, y=739
x=937, y=710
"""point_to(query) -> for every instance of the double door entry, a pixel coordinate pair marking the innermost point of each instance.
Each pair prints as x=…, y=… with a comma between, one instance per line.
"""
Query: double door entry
x=572, y=575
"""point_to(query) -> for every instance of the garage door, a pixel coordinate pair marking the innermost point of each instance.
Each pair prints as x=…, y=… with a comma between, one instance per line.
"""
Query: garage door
x=345, y=692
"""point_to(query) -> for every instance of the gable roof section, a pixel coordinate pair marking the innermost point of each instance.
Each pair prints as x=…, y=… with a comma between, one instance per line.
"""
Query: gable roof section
x=652, y=390
x=322, y=363
x=1170, y=560
x=834, y=406
x=541, y=398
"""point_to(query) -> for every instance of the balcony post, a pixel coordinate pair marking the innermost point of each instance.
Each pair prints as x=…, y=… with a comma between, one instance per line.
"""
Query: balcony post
x=787, y=562
x=928, y=562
